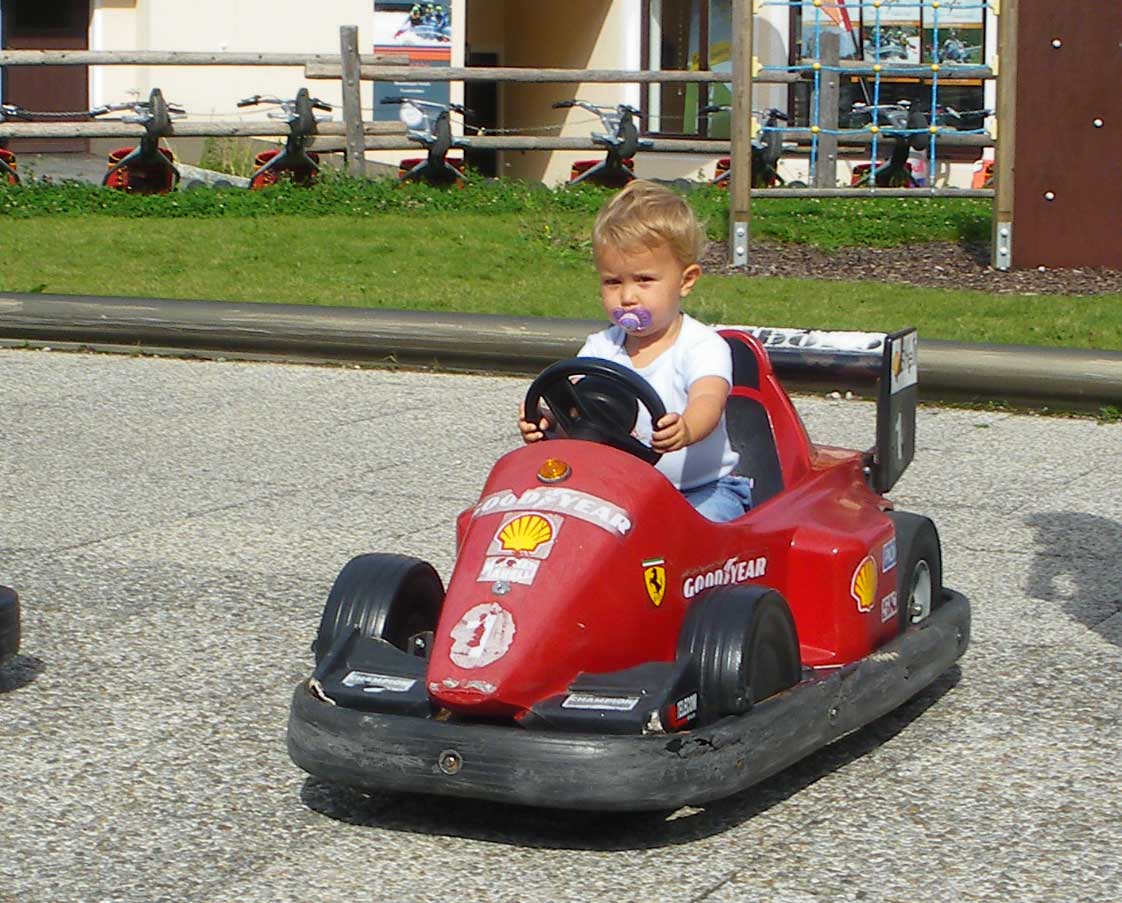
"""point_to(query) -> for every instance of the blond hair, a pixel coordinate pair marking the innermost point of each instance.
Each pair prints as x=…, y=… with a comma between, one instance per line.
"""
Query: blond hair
x=647, y=214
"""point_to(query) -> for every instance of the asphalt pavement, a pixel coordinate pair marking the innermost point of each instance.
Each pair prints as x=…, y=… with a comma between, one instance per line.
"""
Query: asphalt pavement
x=173, y=528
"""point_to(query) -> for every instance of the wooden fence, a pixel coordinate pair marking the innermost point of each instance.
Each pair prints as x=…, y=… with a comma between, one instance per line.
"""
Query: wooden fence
x=355, y=135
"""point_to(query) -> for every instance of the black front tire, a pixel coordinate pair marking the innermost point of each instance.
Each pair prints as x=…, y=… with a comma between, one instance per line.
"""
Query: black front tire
x=919, y=574
x=394, y=598
x=743, y=644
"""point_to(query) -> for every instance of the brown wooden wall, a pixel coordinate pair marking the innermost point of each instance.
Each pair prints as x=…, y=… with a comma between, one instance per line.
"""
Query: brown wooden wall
x=1061, y=92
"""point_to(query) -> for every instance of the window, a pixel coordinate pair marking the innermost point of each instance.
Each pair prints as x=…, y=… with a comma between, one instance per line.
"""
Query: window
x=693, y=35
x=899, y=31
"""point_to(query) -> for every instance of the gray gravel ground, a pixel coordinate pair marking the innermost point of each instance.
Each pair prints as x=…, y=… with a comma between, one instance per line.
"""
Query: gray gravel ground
x=173, y=528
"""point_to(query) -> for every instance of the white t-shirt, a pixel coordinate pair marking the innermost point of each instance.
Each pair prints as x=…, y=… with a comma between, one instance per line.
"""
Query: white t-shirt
x=698, y=351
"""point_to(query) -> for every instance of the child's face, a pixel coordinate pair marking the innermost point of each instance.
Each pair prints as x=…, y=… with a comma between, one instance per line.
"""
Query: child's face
x=643, y=278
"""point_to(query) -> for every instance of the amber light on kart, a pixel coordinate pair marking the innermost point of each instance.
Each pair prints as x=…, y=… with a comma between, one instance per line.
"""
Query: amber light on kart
x=553, y=470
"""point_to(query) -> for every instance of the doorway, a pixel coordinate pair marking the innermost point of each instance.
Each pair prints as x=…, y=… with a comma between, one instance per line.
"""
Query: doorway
x=47, y=25
x=482, y=100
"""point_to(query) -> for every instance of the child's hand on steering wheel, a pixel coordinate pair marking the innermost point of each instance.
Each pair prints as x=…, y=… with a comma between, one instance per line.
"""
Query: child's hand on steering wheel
x=672, y=434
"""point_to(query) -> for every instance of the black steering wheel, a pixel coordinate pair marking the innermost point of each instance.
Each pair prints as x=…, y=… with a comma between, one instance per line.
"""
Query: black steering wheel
x=601, y=406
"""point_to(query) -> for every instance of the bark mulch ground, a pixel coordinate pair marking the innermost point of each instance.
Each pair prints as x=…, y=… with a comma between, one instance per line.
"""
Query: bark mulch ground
x=931, y=264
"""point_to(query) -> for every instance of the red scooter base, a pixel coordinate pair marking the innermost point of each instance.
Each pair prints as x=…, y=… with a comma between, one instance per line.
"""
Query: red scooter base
x=141, y=178
x=604, y=772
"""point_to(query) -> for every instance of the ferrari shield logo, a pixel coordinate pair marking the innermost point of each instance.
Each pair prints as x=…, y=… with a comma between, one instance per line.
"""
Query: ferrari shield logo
x=654, y=579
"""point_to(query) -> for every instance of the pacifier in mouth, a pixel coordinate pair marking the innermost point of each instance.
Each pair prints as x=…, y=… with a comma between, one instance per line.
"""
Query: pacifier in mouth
x=631, y=319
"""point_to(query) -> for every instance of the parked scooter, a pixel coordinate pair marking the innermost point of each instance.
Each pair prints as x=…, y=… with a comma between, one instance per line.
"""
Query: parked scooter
x=146, y=168
x=8, y=164
x=766, y=151
x=428, y=123
x=294, y=161
x=908, y=129
x=621, y=140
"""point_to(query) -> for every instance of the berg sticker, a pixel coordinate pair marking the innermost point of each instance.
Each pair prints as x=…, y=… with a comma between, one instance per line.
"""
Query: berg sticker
x=863, y=585
x=482, y=636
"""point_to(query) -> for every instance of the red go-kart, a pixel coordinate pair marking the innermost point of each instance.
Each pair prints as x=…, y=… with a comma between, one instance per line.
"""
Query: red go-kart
x=603, y=646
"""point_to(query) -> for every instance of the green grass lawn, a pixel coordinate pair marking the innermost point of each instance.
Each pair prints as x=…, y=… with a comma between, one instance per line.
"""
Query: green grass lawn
x=516, y=250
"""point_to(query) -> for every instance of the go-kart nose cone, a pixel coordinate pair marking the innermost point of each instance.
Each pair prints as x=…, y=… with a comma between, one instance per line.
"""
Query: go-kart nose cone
x=631, y=319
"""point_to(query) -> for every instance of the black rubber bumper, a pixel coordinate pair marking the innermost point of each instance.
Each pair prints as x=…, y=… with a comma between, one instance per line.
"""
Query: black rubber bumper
x=9, y=623
x=610, y=772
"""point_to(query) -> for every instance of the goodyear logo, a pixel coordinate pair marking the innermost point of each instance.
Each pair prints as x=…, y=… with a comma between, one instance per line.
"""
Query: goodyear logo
x=863, y=586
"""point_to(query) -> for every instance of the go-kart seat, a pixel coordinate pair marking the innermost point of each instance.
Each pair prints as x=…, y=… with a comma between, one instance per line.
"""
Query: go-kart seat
x=746, y=418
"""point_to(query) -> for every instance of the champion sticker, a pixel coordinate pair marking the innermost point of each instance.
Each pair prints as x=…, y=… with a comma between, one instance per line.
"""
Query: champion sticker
x=863, y=586
x=509, y=570
x=531, y=535
x=888, y=556
x=583, y=505
x=600, y=703
x=378, y=683
x=889, y=607
x=482, y=636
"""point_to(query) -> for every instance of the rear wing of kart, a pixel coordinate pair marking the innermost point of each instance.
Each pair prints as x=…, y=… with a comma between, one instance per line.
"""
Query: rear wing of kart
x=888, y=358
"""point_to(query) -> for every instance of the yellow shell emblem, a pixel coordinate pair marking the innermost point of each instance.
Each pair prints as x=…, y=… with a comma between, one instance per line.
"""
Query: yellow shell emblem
x=526, y=533
x=863, y=588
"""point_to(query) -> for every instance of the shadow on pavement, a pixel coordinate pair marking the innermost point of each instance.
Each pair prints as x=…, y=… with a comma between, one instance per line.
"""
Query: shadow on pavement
x=19, y=672
x=556, y=829
x=1088, y=585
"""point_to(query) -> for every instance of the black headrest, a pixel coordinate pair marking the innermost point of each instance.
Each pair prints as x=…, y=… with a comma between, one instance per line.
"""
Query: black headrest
x=745, y=367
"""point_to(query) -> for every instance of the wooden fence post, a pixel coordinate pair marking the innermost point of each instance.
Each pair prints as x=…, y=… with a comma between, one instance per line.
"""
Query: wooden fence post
x=352, y=101
x=740, y=166
x=829, y=96
x=1004, y=175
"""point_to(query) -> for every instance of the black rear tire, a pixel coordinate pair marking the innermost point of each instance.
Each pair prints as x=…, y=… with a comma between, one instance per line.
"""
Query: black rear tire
x=388, y=597
x=744, y=646
x=919, y=575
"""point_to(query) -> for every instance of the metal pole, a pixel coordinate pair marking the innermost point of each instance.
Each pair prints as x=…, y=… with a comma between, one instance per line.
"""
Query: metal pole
x=352, y=101
x=1005, y=155
x=740, y=166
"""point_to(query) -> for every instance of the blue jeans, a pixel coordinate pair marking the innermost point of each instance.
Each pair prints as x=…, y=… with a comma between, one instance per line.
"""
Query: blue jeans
x=722, y=500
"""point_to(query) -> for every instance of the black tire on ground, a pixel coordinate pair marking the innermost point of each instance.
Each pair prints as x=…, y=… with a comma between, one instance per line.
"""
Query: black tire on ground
x=796, y=184
x=743, y=643
x=9, y=624
x=919, y=567
x=388, y=597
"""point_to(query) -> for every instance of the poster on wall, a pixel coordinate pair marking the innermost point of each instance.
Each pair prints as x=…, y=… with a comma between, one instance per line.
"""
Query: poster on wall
x=840, y=17
x=960, y=34
x=891, y=32
x=423, y=33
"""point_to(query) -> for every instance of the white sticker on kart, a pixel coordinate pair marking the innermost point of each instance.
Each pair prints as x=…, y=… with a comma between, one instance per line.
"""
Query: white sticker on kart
x=509, y=570
x=482, y=636
x=530, y=534
x=378, y=683
x=888, y=556
x=582, y=505
x=905, y=361
x=734, y=570
x=889, y=607
x=600, y=703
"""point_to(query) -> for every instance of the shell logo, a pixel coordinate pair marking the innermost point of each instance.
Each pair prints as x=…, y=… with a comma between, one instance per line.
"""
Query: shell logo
x=863, y=587
x=526, y=533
